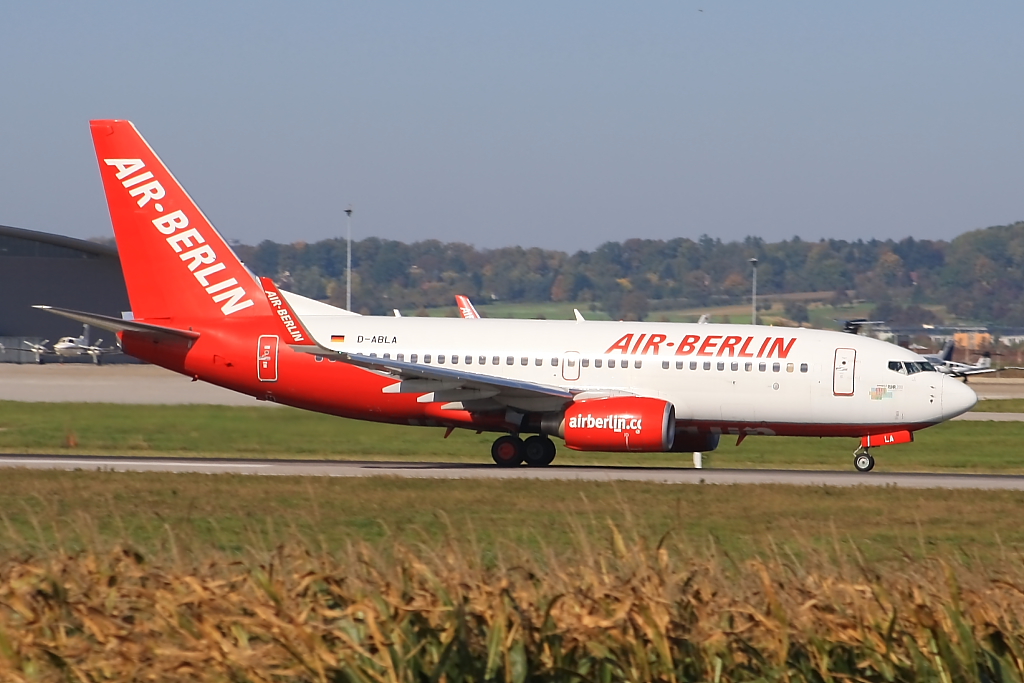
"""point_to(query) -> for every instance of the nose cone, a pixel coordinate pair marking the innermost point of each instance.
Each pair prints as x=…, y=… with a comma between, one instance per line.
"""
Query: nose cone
x=957, y=398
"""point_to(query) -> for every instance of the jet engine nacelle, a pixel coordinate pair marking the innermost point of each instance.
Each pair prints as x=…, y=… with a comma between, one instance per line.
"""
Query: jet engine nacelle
x=621, y=423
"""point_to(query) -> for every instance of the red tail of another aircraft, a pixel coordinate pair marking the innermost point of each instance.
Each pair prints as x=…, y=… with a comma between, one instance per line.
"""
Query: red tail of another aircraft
x=175, y=263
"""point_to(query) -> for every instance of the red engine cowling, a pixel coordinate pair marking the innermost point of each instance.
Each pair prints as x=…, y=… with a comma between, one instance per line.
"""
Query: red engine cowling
x=622, y=423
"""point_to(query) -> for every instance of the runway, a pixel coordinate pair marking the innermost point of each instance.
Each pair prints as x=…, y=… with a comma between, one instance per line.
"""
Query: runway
x=434, y=470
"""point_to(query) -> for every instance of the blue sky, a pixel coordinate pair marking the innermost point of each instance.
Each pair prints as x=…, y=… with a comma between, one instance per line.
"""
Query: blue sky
x=553, y=124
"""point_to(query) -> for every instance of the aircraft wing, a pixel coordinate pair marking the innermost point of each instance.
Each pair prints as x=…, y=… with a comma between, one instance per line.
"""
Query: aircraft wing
x=458, y=389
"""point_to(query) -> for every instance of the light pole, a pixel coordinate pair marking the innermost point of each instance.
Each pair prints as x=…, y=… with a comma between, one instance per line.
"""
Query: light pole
x=753, y=294
x=348, y=261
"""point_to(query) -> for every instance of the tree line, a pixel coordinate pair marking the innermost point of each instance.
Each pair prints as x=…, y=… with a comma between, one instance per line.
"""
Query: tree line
x=979, y=275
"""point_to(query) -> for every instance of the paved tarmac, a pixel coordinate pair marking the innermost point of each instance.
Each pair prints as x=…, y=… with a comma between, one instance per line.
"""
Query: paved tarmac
x=434, y=470
x=991, y=417
x=84, y=383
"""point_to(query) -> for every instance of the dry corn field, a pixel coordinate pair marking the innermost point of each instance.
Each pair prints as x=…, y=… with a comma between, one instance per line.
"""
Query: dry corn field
x=633, y=611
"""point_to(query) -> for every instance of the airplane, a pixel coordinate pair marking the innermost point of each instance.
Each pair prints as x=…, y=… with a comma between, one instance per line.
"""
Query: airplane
x=853, y=326
x=38, y=350
x=77, y=346
x=943, y=362
x=466, y=308
x=468, y=311
x=597, y=385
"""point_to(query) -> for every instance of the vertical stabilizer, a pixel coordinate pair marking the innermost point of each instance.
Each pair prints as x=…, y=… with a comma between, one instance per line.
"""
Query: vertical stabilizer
x=175, y=263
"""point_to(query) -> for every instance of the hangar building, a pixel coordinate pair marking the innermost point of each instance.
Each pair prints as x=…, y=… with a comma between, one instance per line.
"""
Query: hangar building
x=40, y=268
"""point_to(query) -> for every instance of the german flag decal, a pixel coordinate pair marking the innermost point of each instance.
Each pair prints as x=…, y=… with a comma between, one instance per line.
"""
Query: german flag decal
x=337, y=337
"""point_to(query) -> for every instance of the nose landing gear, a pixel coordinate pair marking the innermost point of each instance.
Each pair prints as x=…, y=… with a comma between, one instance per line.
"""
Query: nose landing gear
x=862, y=460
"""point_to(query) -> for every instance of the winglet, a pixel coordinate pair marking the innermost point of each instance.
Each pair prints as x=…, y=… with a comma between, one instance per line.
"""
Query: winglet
x=290, y=327
x=579, y=316
x=466, y=308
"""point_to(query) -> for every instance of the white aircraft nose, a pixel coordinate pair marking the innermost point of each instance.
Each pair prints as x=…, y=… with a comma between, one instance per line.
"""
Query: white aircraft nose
x=957, y=397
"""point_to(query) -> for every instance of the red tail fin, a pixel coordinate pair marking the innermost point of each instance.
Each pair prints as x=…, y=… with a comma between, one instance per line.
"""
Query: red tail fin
x=175, y=263
x=466, y=308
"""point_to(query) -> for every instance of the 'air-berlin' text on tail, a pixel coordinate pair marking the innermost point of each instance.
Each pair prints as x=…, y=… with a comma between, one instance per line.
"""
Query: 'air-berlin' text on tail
x=176, y=265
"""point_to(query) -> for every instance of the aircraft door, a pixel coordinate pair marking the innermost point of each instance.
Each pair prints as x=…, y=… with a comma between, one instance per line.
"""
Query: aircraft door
x=571, y=366
x=266, y=358
x=843, y=371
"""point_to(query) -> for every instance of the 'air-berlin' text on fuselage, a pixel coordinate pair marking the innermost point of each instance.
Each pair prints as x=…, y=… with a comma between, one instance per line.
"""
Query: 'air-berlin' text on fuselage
x=174, y=224
x=733, y=346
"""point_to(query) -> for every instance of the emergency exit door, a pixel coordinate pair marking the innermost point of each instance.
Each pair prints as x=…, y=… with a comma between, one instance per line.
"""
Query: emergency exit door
x=843, y=371
x=266, y=358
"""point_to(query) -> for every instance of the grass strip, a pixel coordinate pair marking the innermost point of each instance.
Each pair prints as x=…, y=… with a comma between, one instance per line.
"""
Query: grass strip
x=195, y=514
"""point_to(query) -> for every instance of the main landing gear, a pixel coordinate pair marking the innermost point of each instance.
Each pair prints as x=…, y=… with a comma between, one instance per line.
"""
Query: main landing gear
x=511, y=451
x=862, y=460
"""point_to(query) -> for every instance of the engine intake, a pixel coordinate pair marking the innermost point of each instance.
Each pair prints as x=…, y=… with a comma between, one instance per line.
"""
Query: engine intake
x=619, y=424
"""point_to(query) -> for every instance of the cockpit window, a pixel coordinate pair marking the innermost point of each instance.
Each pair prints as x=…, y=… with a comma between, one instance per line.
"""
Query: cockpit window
x=910, y=367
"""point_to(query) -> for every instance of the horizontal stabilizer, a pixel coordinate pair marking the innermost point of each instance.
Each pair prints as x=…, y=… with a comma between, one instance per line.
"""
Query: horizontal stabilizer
x=105, y=322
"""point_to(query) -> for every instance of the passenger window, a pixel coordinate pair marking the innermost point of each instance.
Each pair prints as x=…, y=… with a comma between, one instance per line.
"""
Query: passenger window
x=400, y=358
x=440, y=359
x=495, y=360
x=748, y=367
x=426, y=358
x=664, y=365
x=387, y=355
x=707, y=365
x=803, y=367
x=679, y=365
x=524, y=361
x=735, y=367
x=571, y=362
x=510, y=361
x=373, y=355
x=761, y=367
x=721, y=365
x=776, y=367
x=469, y=360
x=638, y=364
x=538, y=361
x=611, y=362
x=455, y=359
x=482, y=360
x=597, y=362
x=554, y=363
x=789, y=367
x=414, y=358
x=585, y=363
x=693, y=365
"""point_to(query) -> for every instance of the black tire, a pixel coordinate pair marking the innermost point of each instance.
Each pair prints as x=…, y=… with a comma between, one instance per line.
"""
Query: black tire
x=538, y=451
x=507, y=451
x=863, y=462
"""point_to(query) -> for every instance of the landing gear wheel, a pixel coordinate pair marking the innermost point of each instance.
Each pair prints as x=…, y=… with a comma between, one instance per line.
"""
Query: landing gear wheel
x=863, y=462
x=507, y=451
x=538, y=451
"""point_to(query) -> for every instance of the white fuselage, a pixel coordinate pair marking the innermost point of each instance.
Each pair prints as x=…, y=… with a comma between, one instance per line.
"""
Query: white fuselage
x=732, y=378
